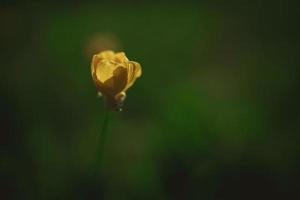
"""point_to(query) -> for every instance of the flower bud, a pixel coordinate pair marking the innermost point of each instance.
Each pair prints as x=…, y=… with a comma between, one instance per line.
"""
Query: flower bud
x=113, y=74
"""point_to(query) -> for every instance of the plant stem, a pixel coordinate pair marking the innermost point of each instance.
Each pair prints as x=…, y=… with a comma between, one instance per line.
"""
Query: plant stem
x=101, y=141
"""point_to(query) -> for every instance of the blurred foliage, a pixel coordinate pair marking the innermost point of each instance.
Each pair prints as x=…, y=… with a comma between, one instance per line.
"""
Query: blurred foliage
x=215, y=114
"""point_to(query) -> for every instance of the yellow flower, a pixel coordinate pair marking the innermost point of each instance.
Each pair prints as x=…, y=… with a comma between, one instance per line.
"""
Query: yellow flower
x=113, y=74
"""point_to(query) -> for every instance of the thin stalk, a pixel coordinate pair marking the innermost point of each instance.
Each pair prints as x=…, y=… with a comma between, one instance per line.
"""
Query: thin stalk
x=101, y=141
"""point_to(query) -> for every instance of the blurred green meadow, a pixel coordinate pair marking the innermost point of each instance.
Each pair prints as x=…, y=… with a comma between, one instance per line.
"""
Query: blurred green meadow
x=215, y=114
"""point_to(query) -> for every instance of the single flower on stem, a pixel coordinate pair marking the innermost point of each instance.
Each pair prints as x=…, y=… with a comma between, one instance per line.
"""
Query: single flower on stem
x=113, y=74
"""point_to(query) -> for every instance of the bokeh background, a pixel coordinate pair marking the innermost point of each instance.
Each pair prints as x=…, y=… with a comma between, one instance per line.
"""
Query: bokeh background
x=215, y=114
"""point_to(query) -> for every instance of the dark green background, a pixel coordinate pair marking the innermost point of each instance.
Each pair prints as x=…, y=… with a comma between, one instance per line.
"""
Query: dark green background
x=215, y=114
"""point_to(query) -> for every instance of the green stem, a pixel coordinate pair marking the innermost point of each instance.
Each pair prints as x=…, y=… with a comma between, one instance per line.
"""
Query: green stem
x=101, y=141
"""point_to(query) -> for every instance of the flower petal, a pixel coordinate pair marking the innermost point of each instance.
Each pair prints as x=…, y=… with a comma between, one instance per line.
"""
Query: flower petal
x=100, y=86
x=134, y=71
x=120, y=58
x=94, y=63
x=104, y=70
x=117, y=82
x=106, y=55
